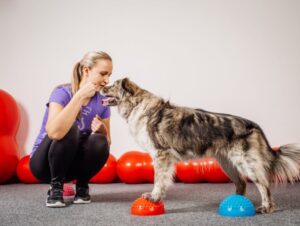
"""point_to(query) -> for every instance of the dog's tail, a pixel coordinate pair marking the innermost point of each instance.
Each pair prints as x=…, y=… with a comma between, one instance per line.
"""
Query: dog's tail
x=286, y=166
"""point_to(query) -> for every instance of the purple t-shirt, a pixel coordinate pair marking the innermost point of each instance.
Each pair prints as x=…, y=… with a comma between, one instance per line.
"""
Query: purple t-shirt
x=62, y=95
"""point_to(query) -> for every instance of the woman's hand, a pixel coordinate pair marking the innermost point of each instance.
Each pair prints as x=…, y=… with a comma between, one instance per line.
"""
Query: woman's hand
x=98, y=126
x=87, y=91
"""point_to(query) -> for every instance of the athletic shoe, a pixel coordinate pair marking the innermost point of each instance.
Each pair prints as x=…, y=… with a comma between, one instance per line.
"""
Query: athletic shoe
x=82, y=195
x=55, y=195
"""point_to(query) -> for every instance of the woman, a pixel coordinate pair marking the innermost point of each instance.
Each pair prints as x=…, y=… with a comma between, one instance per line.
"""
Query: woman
x=73, y=143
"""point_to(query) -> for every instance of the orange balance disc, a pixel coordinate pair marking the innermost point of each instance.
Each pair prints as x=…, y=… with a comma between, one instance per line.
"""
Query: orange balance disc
x=144, y=207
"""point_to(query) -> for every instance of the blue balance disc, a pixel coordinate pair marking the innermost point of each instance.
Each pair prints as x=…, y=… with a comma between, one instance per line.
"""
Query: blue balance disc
x=236, y=206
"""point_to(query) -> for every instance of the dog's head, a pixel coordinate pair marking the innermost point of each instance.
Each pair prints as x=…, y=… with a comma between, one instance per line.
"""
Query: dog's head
x=115, y=93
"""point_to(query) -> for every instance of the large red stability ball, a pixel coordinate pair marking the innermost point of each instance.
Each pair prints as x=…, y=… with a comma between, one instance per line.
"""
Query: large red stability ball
x=190, y=171
x=148, y=168
x=9, y=123
x=108, y=173
x=135, y=167
x=214, y=172
x=130, y=167
x=24, y=173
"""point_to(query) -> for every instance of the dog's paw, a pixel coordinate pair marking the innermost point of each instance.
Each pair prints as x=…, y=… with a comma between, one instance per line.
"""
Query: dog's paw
x=150, y=197
x=265, y=209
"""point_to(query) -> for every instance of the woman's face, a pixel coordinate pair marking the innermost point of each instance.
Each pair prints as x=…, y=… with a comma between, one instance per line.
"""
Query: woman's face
x=99, y=74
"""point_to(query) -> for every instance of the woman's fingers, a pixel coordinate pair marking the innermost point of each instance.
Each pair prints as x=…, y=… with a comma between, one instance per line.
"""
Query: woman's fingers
x=98, y=117
x=96, y=124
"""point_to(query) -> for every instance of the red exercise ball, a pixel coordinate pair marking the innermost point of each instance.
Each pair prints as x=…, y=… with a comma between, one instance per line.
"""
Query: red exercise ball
x=190, y=171
x=9, y=123
x=148, y=168
x=24, y=173
x=130, y=167
x=213, y=171
x=108, y=173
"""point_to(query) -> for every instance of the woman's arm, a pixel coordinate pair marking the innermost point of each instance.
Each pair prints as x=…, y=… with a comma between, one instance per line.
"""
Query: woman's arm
x=107, y=126
x=61, y=119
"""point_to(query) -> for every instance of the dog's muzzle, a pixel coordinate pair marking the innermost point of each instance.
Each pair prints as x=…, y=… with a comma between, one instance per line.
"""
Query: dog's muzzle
x=110, y=101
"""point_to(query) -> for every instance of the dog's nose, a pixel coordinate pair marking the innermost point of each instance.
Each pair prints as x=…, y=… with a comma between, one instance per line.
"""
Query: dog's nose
x=105, y=89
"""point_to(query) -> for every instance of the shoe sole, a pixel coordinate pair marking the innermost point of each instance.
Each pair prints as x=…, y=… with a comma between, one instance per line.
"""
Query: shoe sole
x=80, y=201
x=56, y=205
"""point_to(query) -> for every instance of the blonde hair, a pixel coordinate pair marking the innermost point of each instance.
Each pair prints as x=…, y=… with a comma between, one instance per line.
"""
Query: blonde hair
x=89, y=60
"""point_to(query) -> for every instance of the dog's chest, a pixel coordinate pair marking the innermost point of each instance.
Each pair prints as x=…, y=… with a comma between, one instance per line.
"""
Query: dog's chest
x=138, y=129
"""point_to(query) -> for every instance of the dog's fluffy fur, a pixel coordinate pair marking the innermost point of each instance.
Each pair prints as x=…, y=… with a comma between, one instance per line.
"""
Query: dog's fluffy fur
x=171, y=133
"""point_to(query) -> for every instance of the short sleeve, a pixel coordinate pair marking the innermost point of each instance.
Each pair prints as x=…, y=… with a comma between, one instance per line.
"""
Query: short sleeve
x=60, y=95
x=105, y=113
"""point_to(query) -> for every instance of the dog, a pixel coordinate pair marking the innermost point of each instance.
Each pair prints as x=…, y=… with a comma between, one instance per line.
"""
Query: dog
x=172, y=133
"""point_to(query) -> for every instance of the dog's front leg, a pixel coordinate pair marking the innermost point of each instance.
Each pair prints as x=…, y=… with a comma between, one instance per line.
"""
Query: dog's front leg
x=163, y=175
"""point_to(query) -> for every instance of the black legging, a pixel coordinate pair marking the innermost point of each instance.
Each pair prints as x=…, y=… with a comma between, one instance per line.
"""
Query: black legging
x=75, y=156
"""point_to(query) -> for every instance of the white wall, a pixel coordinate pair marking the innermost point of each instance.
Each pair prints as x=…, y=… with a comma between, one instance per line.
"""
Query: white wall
x=239, y=57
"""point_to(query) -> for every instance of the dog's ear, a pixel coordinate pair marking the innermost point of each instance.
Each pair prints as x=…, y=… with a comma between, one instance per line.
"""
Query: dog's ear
x=127, y=85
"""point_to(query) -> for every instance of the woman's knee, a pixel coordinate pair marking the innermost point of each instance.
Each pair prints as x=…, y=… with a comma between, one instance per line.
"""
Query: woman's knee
x=67, y=147
x=72, y=134
x=69, y=141
x=99, y=144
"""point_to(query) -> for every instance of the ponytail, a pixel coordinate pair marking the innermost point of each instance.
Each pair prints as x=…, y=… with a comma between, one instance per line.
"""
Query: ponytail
x=76, y=78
